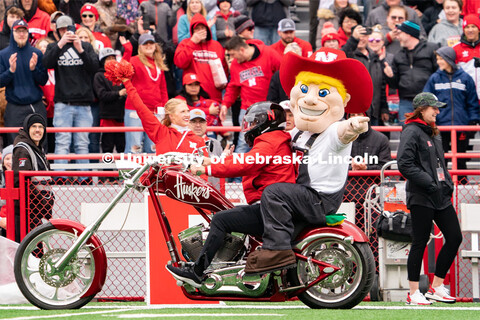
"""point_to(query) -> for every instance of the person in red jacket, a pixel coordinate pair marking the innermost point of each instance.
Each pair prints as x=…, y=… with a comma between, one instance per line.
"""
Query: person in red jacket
x=263, y=125
x=149, y=79
x=38, y=20
x=286, y=31
x=251, y=70
x=203, y=56
x=89, y=15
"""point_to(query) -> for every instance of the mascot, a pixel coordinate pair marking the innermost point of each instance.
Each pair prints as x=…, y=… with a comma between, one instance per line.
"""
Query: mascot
x=322, y=88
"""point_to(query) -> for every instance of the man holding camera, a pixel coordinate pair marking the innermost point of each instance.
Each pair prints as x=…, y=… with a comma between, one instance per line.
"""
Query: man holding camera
x=75, y=64
x=468, y=49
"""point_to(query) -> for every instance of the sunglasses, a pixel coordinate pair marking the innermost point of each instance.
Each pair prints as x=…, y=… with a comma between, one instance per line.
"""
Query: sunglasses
x=88, y=15
x=397, y=18
x=377, y=40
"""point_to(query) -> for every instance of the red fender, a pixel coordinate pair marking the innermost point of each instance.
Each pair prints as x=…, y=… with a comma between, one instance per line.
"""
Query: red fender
x=99, y=254
x=346, y=229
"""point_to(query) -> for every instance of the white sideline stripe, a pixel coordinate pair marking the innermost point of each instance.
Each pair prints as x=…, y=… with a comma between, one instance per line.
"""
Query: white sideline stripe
x=148, y=315
x=63, y=315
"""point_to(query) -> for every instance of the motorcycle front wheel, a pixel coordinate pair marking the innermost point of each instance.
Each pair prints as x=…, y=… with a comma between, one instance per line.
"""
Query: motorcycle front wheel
x=38, y=280
x=345, y=288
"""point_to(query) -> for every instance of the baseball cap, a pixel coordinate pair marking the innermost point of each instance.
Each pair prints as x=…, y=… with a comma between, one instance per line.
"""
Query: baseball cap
x=54, y=16
x=106, y=52
x=286, y=25
x=19, y=24
x=427, y=99
x=285, y=104
x=189, y=78
x=197, y=113
x=64, y=21
x=144, y=38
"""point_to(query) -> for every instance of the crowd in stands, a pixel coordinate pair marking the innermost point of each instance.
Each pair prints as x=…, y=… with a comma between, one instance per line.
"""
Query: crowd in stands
x=221, y=55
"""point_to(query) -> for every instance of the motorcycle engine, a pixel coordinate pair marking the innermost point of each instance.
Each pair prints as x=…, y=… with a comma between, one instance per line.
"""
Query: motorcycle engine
x=193, y=239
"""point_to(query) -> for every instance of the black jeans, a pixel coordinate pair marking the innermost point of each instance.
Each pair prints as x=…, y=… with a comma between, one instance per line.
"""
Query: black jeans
x=422, y=221
x=243, y=219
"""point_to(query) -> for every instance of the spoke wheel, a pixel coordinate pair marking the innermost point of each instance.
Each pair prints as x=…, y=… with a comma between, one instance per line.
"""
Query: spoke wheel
x=38, y=279
x=343, y=289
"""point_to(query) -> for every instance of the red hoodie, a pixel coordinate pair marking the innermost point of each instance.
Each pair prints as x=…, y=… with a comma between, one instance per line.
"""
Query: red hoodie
x=166, y=139
x=150, y=85
x=251, y=79
x=38, y=26
x=193, y=57
x=257, y=176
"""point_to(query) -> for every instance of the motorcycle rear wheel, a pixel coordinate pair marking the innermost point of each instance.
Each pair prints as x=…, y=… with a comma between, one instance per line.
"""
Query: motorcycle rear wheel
x=345, y=288
x=38, y=280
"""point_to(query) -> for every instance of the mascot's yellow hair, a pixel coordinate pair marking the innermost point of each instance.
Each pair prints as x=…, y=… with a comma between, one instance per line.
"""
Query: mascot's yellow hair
x=319, y=79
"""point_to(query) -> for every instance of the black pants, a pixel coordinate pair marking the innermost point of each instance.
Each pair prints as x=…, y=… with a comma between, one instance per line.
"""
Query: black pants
x=286, y=205
x=113, y=140
x=463, y=138
x=15, y=114
x=313, y=22
x=243, y=219
x=422, y=221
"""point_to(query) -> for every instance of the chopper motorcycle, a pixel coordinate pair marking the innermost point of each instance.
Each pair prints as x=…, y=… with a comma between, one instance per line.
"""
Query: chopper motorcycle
x=63, y=265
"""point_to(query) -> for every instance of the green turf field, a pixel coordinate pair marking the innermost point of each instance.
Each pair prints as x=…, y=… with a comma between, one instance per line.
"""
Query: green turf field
x=289, y=310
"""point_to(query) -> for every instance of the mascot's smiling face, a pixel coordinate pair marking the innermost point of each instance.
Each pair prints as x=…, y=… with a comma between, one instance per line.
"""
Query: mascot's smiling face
x=317, y=101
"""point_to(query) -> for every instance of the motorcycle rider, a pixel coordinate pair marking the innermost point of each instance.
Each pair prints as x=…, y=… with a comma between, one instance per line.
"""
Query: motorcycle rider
x=264, y=125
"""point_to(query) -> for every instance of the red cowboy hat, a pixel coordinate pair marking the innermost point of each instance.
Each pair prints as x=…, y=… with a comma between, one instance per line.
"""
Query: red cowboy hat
x=332, y=63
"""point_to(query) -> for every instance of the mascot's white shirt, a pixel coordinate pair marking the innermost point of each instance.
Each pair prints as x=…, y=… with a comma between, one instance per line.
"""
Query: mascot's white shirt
x=327, y=171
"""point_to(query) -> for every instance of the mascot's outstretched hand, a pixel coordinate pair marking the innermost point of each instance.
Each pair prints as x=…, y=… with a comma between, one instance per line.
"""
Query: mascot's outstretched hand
x=349, y=130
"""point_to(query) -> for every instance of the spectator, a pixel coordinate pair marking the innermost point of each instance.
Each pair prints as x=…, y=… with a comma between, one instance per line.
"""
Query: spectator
x=184, y=22
x=330, y=14
x=379, y=15
x=429, y=191
x=448, y=31
x=89, y=19
x=468, y=50
x=85, y=35
x=53, y=34
x=456, y=89
x=331, y=40
x=38, y=20
x=72, y=8
x=12, y=14
x=75, y=64
x=266, y=14
x=396, y=15
x=149, y=80
x=131, y=49
x=48, y=95
x=433, y=15
x=111, y=99
x=412, y=66
x=6, y=165
x=376, y=42
x=22, y=73
x=28, y=155
x=357, y=48
x=197, y=98
x=313, y=22
x=290, y=120
x=203, y=56
x=107, y=18
x=163, y=14
x=349, y=18
x=275, y=91
x=225, y=22
x=245, y=28
x=286, y=32
x=250, y=74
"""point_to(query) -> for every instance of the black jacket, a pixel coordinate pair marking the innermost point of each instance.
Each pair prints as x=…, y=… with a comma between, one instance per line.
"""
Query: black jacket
x=375, y=68
x=373, y=143
x=112, y=106
x=412, y=68
x=21, y=159
x=430, y=16
x=275, y=91
x=73, y=72
x=419, y=156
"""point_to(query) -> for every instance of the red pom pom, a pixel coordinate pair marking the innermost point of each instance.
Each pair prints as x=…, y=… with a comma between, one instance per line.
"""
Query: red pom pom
x=118, y=71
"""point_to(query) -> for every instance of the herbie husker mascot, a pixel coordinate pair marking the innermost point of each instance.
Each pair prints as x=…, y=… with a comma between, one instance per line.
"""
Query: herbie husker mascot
x=322, y=88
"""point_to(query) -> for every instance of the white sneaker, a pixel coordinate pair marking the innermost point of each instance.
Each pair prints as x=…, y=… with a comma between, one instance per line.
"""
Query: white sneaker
x=440, y=294
x=417, y=299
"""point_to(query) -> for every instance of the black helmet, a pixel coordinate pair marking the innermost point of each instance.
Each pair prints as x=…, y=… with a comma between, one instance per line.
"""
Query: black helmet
x=262, y=117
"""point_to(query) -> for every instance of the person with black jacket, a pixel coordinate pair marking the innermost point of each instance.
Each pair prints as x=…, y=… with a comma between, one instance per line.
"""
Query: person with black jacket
x=28, y=155
x=111, y=99
x=412, y=65
x=429, y=190
x=75, y=63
